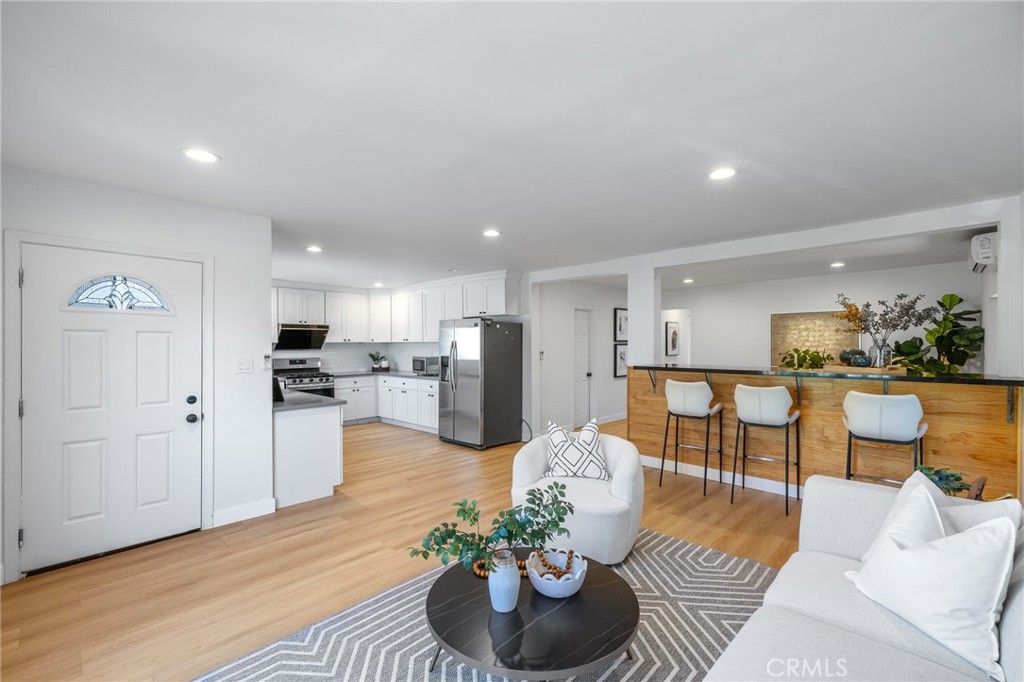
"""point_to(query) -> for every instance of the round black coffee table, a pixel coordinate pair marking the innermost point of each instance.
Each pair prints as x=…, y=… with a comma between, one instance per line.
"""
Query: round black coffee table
x=542, y=638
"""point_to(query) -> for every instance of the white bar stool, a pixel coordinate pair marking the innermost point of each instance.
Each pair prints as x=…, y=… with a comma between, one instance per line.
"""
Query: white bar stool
x=692, y=400
x=765, y=407
x=892, y=419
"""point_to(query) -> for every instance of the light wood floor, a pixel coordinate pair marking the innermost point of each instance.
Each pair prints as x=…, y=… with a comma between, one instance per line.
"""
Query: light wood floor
x=176, y=609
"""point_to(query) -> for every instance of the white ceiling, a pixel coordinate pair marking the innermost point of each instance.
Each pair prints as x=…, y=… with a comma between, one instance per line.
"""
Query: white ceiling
x=392, y=134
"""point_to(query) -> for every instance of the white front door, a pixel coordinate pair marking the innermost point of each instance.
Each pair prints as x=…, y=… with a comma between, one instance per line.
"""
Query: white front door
x=581, y=369
x=112, y=357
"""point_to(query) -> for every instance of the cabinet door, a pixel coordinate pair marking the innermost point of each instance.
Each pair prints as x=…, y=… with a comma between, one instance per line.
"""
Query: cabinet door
x=380, y=319
x=367, y=402
x=427, y=412
x=313, y=302
x=357, y=317
x=433, y=311
x=452, y=302
x=400, y=317
x=405, y=406
x=415, y=317
x=474, y=299
x=334, y=317
x=290, y=306
x=494, y=296
x=386, y=403
x=273, y=315
x=348, y=394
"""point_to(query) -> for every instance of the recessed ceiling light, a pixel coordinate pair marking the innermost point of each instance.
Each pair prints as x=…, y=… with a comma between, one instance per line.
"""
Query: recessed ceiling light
x=378, y=284
x=313, y=248
x=837, y=264
x=492, y=232
x=200, y=155
x=453, y=269
x=687, y=281
x=722, y=173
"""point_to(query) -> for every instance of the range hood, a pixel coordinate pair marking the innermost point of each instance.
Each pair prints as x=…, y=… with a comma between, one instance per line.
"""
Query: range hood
x=301, y=336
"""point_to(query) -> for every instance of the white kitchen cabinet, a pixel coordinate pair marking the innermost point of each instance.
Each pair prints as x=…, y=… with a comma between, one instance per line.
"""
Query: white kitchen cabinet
x=451, y=302
x=433, y=313
x=385, y=402
x=405, y=404
x=362, y=401
x=494, y=296
x=347, y=316
x=426, y=414
x=273, y=315
x=407, y=316
x=300, y=306
x=380, y=318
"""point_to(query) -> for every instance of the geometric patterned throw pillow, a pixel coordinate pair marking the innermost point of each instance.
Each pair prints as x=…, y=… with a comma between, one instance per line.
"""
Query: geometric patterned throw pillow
x=571, y=455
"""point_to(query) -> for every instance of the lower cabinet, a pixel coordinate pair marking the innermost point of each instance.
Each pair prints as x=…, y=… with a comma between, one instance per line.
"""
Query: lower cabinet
x=362, y=402
x=405, y=405
x=385, y=402
x=427, y=409
x=408, y=401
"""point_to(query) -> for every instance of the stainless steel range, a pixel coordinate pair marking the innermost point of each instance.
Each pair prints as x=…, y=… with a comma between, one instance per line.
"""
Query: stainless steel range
x=303, y=374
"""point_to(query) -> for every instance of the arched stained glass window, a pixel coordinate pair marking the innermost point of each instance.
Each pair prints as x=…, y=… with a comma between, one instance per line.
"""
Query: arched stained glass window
x=118, y=292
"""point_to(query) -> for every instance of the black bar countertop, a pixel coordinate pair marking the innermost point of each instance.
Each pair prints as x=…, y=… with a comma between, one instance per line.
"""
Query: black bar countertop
x=837, y=373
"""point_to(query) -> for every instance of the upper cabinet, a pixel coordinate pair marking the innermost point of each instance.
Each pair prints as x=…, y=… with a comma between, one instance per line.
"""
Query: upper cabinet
x=407, y=316
x=347, y=315
x=492, y=296
x=451, y=297
x=300, y=306
x=380, y=318
x=433, y=313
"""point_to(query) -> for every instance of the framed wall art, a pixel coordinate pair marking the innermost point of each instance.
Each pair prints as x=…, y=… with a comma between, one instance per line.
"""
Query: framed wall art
x=620, y=360
x=621, y=318
x=671, y=338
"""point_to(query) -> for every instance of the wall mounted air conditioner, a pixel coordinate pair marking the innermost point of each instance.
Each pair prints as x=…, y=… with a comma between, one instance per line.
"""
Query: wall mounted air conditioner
x=983, y=251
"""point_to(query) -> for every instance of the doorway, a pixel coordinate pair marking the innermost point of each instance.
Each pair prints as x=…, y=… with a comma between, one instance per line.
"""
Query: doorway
x=581, y=374
x=112, y=384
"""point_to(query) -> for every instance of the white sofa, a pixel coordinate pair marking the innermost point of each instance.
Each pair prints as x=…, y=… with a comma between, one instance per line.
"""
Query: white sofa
x=607, y=513
x=816, y=625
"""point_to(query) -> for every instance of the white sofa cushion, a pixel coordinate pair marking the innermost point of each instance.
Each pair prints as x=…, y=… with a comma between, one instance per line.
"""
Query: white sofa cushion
x=575, y=455
x=815, y=585
x=779, y=644
x=952, y=587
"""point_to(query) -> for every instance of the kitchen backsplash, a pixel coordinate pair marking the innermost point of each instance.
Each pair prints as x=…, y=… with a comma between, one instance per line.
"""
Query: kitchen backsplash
x=352, y=357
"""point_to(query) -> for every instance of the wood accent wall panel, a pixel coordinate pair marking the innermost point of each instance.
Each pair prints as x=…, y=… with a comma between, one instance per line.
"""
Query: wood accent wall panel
x=967, y=428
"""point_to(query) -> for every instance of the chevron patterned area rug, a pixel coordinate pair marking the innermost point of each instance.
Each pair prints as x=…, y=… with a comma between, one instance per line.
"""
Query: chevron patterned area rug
x=693, y=601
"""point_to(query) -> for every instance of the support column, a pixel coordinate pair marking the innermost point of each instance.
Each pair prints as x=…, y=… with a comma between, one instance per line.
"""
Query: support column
x=644, y=302
x=1010, y=304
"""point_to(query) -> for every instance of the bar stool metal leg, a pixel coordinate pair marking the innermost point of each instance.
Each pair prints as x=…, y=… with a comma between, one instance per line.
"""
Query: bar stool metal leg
x=664, y=450
x=797, y=459
x=677, y=445
x=787, y=469
x=745, y=433
x=707, y=444
x=735, y=453
x=849, y=454
x=720, y=451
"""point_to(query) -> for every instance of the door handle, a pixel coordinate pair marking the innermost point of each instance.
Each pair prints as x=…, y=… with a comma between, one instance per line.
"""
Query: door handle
x=192, y=419
x=191, y=400
x=455, y=366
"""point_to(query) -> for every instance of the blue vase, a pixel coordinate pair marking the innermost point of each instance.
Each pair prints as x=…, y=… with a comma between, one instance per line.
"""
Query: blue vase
x=860, y=361
x=503, y=582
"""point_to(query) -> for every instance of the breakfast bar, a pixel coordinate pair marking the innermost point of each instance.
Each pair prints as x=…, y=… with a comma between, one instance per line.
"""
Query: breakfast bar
x=974, y=422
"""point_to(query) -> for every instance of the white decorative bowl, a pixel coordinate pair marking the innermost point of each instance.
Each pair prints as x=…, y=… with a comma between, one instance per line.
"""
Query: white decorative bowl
x=566, y=586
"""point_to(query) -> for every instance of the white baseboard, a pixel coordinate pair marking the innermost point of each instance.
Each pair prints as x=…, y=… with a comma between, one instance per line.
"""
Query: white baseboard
x=222, y=517
x=763, y=484
x=409, y=425
x=611, y=418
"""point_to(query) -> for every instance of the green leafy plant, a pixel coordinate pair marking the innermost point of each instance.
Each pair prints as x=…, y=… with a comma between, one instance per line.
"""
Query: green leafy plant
x=953, y=341
x=377, y=356
x=948, y=481
x=533, y=524
x=804, y=358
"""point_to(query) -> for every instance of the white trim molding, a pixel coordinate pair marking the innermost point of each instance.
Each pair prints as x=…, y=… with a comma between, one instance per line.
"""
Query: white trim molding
x=753, y=482
x=242, y=512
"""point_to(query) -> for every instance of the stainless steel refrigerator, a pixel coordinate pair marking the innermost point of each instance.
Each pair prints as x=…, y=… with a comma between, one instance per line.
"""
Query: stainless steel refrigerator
x=480, y=401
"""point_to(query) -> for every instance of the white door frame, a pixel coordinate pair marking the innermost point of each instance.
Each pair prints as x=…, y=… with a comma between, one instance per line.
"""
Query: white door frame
x=591, y=317
x=14, y=240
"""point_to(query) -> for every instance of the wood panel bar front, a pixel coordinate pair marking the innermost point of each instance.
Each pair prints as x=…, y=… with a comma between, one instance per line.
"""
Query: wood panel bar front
x=968, y=427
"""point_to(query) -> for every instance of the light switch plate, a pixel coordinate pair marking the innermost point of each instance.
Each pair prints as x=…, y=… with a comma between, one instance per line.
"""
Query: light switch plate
x=266, y=362
x=243, y=365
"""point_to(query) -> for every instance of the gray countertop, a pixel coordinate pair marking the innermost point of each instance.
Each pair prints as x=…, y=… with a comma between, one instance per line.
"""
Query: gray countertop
x=395, y=373
x=297, y=400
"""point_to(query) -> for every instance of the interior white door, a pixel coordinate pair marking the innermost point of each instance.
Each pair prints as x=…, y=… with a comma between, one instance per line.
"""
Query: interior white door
x=112, y=355
x=581, y=369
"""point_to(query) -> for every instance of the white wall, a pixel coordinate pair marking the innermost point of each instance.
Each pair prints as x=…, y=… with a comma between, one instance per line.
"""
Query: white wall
x=557, y=328
x=731, y=324
x=353, y=357
x=240, y=247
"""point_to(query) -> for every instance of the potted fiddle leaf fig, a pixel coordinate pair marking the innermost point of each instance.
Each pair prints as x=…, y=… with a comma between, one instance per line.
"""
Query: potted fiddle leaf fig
x=952, y=341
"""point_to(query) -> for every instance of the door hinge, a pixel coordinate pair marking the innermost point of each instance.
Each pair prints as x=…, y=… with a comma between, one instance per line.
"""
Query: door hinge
x=21, y=277
x=21, y=537
x=21, y=408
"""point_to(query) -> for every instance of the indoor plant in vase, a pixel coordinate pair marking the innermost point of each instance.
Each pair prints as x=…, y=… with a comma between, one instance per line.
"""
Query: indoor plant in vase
x=533, y=524
x=880, y=323
x=380, y=361
x=954, y=342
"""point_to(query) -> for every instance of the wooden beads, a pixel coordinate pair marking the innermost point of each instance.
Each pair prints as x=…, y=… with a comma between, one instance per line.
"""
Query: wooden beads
x=480, y=572
x=555, y=570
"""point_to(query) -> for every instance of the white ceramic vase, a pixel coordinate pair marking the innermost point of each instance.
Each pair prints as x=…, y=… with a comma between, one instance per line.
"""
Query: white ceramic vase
x=503, y=582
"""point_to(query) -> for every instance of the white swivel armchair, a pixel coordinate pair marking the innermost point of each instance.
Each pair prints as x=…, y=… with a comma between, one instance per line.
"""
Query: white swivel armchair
x=607, y=513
